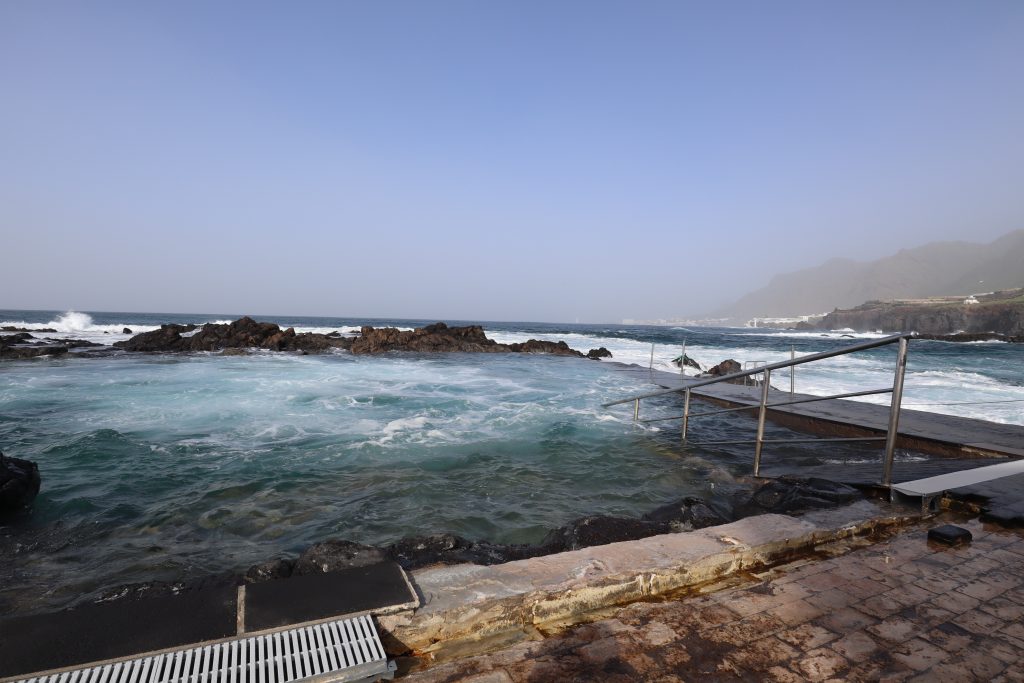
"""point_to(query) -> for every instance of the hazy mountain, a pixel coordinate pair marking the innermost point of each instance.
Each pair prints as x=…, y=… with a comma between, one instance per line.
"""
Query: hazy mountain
x=936, y=269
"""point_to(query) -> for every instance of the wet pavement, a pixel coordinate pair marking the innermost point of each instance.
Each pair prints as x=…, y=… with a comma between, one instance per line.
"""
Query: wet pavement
x=897, y=610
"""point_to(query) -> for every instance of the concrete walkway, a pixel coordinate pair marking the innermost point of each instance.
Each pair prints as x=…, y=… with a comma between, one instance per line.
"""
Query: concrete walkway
x=898, y=610
x=919, y=430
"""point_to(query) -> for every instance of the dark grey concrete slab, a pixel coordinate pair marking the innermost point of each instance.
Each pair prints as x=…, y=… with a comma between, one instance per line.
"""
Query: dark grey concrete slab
x=320, y=596
x=103, y=631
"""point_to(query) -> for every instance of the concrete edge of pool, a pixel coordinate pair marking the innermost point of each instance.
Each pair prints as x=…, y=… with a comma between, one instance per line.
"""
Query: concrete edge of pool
x=466, y=608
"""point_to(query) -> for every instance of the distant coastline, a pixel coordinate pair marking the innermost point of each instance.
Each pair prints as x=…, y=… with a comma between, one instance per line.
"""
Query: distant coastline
x=999, y=313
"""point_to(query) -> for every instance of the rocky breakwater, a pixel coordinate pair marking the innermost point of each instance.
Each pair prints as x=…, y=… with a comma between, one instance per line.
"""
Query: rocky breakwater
x=246, y=333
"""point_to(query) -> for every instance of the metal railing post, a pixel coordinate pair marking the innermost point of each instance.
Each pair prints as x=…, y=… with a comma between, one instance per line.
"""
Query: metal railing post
x=686, y=413
x=759, y=444
x=792, y=372
x=894, y=411
x=636, y=410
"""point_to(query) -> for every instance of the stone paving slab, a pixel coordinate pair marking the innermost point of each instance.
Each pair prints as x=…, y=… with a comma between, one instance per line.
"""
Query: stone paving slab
x=467, y=602
x=899, y=610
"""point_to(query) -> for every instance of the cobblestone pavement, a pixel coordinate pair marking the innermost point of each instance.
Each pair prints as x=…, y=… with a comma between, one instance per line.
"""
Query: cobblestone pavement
x=899, y=610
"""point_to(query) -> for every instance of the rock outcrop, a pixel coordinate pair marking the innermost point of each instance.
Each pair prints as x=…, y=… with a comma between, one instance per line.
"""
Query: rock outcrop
x=336, y=554
x=23, y=345
x=19, y=483
x=432, y=338
x=241, y=334
x=246, y=333
x=726, y=367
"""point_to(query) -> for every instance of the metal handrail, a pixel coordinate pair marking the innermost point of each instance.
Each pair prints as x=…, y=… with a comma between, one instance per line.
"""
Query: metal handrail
x=763, y=405
x=884, y=341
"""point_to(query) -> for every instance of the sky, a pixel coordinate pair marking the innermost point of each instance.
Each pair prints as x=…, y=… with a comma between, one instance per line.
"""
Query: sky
x=544, y=161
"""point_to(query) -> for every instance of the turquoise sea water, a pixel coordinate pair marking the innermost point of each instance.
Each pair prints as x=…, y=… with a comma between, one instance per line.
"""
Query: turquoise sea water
x=169, y=467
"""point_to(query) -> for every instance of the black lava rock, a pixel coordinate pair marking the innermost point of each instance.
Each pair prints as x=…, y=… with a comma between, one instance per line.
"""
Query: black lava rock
x=19, y=483
x=336, y=554
x=600, y=530
x=797, y=494
x=272, y=569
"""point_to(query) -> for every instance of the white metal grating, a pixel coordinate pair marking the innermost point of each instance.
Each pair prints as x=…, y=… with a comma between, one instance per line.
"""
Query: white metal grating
x=341, y=650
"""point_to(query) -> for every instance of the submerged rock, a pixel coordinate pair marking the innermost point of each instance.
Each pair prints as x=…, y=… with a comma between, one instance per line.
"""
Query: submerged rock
x=789, y=494
x=280, y=568
x=692, y=513
x=19, y=483
x=422, y=551
x=336, y=554
x=600, y=530
x=159, y=589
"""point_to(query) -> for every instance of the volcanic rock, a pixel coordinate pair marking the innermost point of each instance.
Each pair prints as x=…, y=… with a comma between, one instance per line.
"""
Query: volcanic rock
x=19, y=483
x=788, y=494
x=336, y=554
x=599, y=353
x=247, y=333
x=423, y=551
x=241, y=334
x=280, y=568
x=539, y=346
x=127, y=330
x=432, y=338
x=691, y=513
x=600, y=530
x=726, y=367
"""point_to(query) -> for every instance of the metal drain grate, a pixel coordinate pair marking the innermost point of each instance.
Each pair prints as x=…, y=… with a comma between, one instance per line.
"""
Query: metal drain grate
x=342, y=650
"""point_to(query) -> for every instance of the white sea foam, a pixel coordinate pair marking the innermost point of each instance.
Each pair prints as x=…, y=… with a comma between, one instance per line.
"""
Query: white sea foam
x=74, y=324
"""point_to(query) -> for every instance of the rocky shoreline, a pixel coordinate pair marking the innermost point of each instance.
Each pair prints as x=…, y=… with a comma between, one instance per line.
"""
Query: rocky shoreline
x=998, y=316
x=749, y=497
x=245, y=334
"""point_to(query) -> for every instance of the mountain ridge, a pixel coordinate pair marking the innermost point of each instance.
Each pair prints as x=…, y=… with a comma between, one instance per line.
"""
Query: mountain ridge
x=948, y=268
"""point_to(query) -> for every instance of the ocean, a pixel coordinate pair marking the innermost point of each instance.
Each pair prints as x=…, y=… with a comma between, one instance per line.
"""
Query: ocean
x=170, y=467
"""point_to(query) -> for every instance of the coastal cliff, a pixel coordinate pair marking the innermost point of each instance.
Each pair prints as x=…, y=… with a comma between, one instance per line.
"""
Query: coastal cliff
x=999, y=312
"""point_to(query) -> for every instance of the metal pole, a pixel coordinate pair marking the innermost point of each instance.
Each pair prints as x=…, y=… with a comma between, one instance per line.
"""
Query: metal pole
x=636, y=410
x=686, y=413
x=760, y=422
x=792, y=372
x=652, y=356
x=894, y=411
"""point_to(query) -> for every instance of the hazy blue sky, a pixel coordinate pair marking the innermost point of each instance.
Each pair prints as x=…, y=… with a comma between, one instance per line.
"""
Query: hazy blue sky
x=489, y=160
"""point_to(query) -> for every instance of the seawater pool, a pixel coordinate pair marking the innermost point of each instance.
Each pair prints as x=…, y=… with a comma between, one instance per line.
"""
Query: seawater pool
x=163, y=467
x=172, y=467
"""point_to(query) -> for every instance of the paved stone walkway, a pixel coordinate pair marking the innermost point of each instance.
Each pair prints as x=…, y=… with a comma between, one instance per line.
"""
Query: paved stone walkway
x=899, y=610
